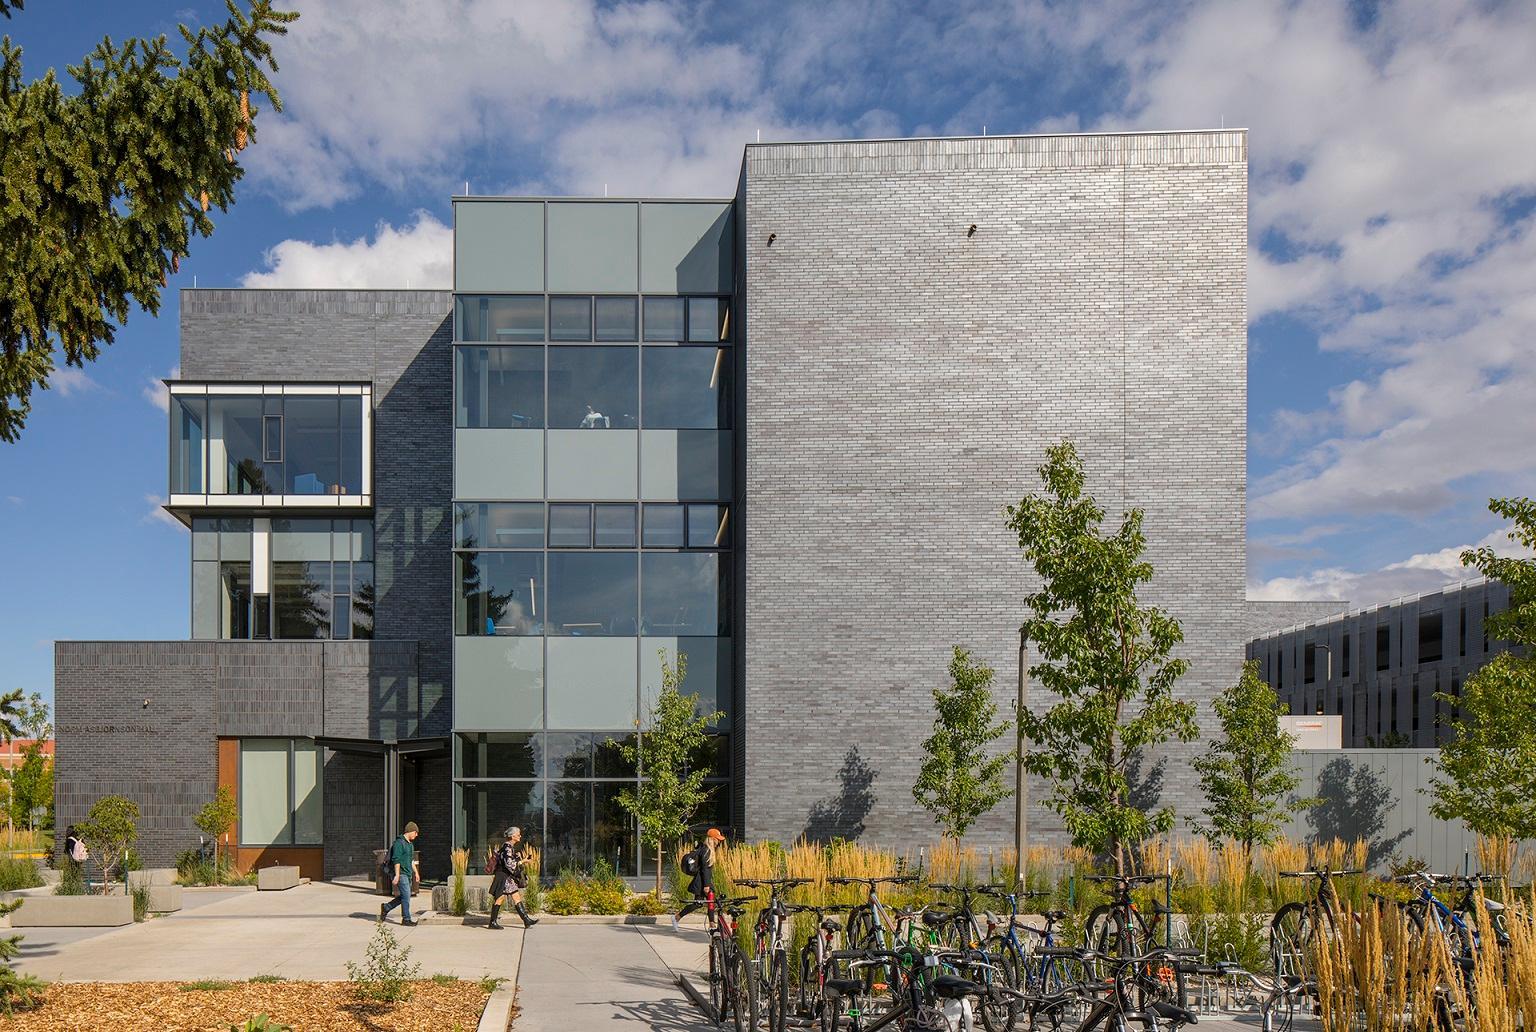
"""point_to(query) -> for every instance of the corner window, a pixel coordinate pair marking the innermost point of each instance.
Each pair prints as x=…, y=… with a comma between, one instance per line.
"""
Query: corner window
x=281, y=792
x=293, y=443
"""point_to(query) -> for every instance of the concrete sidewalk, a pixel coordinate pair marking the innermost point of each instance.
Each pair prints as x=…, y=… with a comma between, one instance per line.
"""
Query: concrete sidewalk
x=309, y=932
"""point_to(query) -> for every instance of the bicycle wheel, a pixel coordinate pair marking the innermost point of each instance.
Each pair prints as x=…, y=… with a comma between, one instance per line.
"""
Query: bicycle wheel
x=778, y=992
x=1000, y=1012
x=1290, y=934
x=718, y=999
x=1055, y=980
x=743, y=1000
x=809, y=992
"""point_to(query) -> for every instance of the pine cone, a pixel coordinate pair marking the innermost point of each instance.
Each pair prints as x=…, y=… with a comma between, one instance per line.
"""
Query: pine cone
x=203, y=199
x=242, y=132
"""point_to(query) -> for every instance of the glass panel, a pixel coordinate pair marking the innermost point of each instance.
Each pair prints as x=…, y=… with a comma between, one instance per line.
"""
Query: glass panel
x=569, y=839
x=234, y=445
x=682, y=594
x=301, y=539
x=308, y=800
x=706, y=319
x=205, y=600
x=505, y=317
x=608, y=761
x=503, y=755
x=261, y=617
x=501, y=387
x=570, y=526
x=341, y=613
x=487, y=808
x=663, y=526
x=264, y=815
x=593, y=465
x=205, y=538
x=350, y=481
x=613, y=829
x=593, y=388
x=615, y=526
x=592, y=683
x=272, y=439
x=362, y=540
x=514, y=525
x=301, y=597
x=686, y=388
x=188, y=443
x=663, y=318
x=313, y=458
x=713, y=757
x=235, y=600
x=499, y=593
x=570, y=318
x=568, y=756
x=592, y=594
x=362, y=600
x=708, y=526
x=235, y=538
x=617, y=318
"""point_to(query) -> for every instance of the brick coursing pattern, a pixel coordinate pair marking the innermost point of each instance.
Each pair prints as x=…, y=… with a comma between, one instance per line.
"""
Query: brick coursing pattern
x=1265, y=617
x=903, y=379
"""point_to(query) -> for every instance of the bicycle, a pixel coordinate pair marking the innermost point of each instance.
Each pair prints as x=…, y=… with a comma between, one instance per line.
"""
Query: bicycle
x=1295, y=925
x=1129, y=998
x=771, y=940
x=815, y=956
x=870, y=924
x=1012, y=957
x=1118, y=929
x=729, y=970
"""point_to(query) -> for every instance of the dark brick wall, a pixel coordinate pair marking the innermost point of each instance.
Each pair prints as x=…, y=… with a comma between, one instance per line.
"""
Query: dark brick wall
x=354, y=813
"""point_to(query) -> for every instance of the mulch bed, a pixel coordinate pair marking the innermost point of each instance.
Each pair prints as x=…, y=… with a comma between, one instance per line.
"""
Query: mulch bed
x=306, y=1006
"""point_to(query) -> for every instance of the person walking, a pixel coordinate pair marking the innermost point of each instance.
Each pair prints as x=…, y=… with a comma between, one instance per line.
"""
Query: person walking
x=509, y=869
x=402, y=861
x=699, y=864
x=76, y=854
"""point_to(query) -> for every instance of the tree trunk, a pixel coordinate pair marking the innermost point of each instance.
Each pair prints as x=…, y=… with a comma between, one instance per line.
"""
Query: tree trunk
x=658, y=870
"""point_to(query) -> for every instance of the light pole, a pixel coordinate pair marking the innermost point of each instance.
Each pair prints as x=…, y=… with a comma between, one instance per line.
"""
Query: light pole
x=1021, y=785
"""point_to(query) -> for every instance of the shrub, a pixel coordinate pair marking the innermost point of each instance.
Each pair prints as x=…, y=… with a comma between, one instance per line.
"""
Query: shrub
x=647, y=904
x=141, y=902
x=490, y=983
x=206, y=985
x=192, y=868
x=384, y=975
x=460, y=905
x=566, y=896
x=17, y=991
x=131, y=862
x=604, y=897
x=71, y=880
x=18, y=874
x=260, y=1023
x=266, y=979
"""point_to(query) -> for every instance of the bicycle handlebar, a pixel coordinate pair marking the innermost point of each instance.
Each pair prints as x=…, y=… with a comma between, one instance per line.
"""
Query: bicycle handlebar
x=1128, y=879
x=890, y=879
x=1319, y=874
x=787, y=883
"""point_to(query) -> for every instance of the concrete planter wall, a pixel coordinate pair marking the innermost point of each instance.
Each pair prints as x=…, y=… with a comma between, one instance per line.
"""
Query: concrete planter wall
x=164, y=899
x=74, y=912
x=151, y=877
x=271, y=879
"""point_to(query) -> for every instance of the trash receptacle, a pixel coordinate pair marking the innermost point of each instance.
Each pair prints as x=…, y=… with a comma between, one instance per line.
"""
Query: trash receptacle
x=380, y=883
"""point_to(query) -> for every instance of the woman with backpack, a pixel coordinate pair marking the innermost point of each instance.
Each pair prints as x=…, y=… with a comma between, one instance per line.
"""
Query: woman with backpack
x=508, y=867
x=699, y=864
x=75, y=852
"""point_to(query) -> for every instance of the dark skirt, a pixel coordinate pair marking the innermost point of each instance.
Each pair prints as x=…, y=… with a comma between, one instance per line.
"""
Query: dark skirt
x=504, y=883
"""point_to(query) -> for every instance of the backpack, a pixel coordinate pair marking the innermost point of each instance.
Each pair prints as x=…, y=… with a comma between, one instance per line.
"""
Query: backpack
x=77, y=851
x=387, y=866
x=691, y=862
x=490, y=859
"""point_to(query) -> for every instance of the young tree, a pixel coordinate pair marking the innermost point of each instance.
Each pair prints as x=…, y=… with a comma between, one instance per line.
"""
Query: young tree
x=110, y=829
x=672, y=789
x=13, y=715
x=1488, y=766
x=1247, y=774
x=959, y=780
x=31, y=786
x=103, y=182
x=1106, y=658
x=216, y=818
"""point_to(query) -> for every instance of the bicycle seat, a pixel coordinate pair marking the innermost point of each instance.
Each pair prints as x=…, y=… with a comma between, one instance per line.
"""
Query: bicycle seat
x=935, y=918
x=1173, y=1012
x=1055, y=915
x=1493, y=905
x=831, y=924
x=1159, y=907
x=843, y=986
x=953, y=987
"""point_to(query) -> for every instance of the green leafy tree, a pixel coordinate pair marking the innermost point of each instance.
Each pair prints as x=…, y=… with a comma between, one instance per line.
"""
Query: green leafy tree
x=110, y=829
x=32, y=787
x=1106, y=658
x=216, y=818
x=961, y=779
x=1247, y=774
x=13, y=715
x=103, y=183
x=1488, y=767
x=673, y=787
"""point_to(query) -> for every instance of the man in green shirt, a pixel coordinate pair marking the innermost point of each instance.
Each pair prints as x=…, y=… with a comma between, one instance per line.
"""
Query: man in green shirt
x=403, y=865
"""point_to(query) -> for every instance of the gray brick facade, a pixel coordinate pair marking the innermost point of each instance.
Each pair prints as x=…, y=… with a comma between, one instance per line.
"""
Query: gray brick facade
x=903, y=379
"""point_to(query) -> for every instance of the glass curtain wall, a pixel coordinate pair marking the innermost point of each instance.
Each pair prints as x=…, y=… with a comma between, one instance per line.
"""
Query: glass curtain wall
x=553, y=570
x=254, y=444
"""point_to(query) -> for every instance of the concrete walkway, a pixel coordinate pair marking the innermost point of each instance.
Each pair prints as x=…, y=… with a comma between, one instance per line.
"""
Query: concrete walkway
x=309, y=932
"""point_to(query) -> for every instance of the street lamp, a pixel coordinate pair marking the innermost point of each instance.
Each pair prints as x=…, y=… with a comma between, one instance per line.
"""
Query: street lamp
x=1021, y=786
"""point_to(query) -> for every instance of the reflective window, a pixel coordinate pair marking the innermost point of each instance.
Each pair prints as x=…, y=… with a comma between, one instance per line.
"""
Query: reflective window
x=500, y=755
x=235, y=448
x=313, y=455
x=362, y=600
x=614, y=526
x=189, y=416
x=488, y=807
x=504, y=525
x=607, y=759
x=592, y=593
x=687, y=388
x=501, y=387
x=681, y=594
x=235, y=600
x=569, y=755
x=507, y=317
x=664, y=526
x=306, y=444
x=617, y=318
x=570, y=526
x=613, y=829
x=594, y=388
x=708, y=526
x=664, y=318
x=709, y=319
x=301, y=599
x=498, y=593
x=570, y=318
x=568, y=824
x=281, y=792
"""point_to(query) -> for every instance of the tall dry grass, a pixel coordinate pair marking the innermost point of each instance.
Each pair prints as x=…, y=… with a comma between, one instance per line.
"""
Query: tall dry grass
x=1496, y=855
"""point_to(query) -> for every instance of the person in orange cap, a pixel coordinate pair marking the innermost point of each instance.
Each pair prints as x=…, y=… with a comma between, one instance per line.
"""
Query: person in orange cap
x=699, y=864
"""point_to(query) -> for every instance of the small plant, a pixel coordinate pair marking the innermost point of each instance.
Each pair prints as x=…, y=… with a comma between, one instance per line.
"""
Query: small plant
x=260, y=1023
x=207, y=985
x=131, y=862
x=18, y=874
x=460, y=869
x=216, y=818
x=71, y=880
x=647, y=904
x=604, y=898
x=385, y=974
x=266, y=979
x=567, y=895
x=140, y=902
x=442, y=979
x=111, y=829
x=490, y=983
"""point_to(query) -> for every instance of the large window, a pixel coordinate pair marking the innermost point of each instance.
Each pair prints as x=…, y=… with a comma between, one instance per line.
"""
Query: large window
x=501, y=387
x=222, y=598
x=509, y=317
x=281, y=793
x=686, y=388
x=322, y=578
x=683, y=594
x=594, y=388
x=503, y=525
x=1431, y=638
x=309, y=442
x=499, y=593
x=592, y=593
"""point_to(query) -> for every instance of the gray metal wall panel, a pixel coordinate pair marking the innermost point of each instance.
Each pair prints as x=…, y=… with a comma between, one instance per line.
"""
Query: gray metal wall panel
x=593, y=247
x=687, y=248
x=498, y=247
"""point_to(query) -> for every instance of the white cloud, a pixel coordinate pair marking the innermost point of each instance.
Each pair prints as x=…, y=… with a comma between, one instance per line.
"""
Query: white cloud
x=16, y=500
x=69, y=381
x=156, y=393
x=1425, y=572
x=418, y=255
x=156, y=513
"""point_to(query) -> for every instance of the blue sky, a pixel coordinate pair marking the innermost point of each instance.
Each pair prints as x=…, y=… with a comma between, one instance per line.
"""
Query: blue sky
x=1392, y=358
